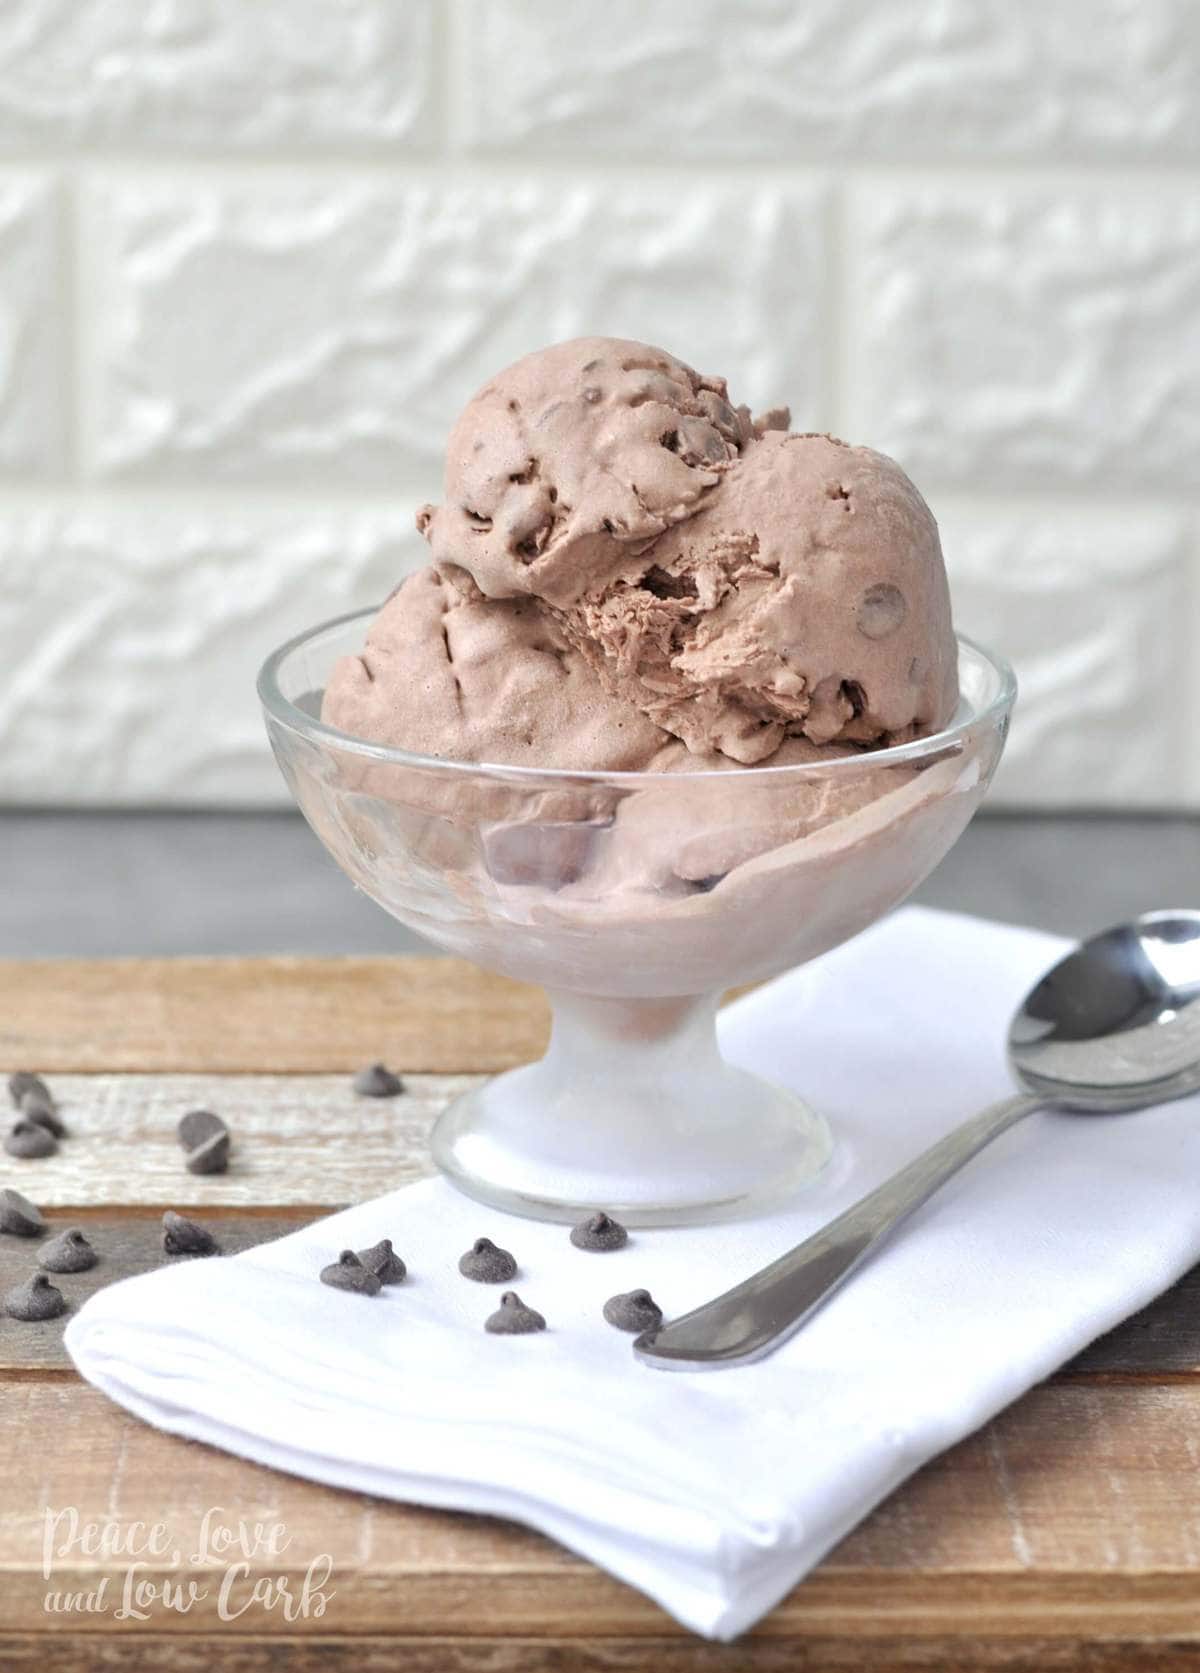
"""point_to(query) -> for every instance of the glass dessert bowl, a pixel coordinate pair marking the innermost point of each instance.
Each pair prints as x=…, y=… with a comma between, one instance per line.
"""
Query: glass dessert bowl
x=636, y=899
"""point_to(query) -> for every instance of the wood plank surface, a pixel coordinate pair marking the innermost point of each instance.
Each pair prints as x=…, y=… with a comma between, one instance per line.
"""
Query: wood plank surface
x=126, y=1246
x=265, y=1015
x=296, y=1139
x=1076, y=1513
x=1065, y=1535
x=900, y=1653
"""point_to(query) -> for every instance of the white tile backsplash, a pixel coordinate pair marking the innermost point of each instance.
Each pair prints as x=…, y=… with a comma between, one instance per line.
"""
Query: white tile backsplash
x=253, y=257
x=35, y=376
x=848, y=78
x=1029, y=333
x=265, y=331
x=1083, y=600
x=215, y=74
x=130, y=639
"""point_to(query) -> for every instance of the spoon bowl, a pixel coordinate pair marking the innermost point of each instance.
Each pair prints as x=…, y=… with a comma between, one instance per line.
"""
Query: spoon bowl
x=1115, y=1025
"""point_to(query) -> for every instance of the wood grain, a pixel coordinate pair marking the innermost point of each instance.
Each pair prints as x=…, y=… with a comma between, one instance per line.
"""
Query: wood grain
x=1075, y=1516
x=296, y=1139
x=370, y=1653
x=126, y=1246
x=267, y=1015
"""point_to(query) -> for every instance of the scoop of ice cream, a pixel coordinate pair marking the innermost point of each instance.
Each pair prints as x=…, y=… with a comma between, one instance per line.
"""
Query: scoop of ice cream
x=448, y=673
x=563, y=467
x=806, y=597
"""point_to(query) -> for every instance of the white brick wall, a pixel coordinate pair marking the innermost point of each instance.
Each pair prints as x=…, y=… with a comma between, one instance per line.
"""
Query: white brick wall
x=254, y=256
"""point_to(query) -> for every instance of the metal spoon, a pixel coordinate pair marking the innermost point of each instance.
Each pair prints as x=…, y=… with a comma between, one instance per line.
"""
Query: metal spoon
x=1113, y=1026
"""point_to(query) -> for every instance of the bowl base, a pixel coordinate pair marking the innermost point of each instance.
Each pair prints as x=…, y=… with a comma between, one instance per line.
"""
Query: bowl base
x=692, y=1148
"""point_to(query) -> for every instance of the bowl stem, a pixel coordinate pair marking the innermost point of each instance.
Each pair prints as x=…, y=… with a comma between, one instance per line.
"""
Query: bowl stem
x=633, y=1110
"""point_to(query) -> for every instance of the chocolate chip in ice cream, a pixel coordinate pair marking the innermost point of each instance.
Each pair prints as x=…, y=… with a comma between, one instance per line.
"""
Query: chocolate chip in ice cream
x=205, y=1138
x=18, y=1216
x=486, y=1263
x=377, y=1081
x=882, y=611
x=35, y=1300
x=599, y=1232
x=22, y=1083
x=349, y=1273
x=636, y=1311
x=30, y=1140
x=384, y=1262
x=513, y=1318
x=184, y=1237
x=70, y=1251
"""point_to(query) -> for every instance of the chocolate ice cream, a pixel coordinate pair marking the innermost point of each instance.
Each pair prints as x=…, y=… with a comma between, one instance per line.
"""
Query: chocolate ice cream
x=447, y=672
x=624, y=558
x=632, y=575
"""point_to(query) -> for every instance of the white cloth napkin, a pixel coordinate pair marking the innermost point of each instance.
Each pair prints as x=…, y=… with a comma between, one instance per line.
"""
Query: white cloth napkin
x=713, y=1492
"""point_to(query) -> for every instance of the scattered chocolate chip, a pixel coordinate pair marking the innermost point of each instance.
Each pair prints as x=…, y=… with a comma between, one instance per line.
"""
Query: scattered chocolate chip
x=637, y=1311
x=376, y=1081
x=881, y=611
x=486, y=1263
x=197, y=1127
x=599, y=1232
x=18, y=1216
x=70, y=1251
x=23, y=1082
x=37, y=1299
x=205, y=1137
x=349, y=1273
x=185, y=1237
x=34, y=1107
x=384, y=1262
x=513, y=1318
x=212, y=1157
x=30, y=1140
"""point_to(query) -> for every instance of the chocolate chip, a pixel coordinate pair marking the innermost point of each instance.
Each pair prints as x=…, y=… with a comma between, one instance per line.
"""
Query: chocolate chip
x=513, y=1318
x=486, y=1263
x=37, y=1299
x=881, y=611
x=376, y=1081
x=30, y=1140
x=70, y=1251
x=35, y=1108
x=212, y=1157
x=205, y=1137
x=599, y=1232
x=185, y=1237
x=18, y=1216
x=384, y=1262
x=349, y=1273
x=23, y=1082
x=637, y=1311
x=197, y=1127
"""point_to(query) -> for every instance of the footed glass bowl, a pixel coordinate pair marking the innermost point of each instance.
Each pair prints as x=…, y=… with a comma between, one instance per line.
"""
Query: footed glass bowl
x=636, y=899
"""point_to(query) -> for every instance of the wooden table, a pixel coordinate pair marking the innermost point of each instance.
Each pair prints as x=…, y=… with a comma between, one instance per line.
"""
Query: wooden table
x=1064, y=1535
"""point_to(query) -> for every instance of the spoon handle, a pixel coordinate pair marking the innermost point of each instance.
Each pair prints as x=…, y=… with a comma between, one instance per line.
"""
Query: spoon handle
x=754, y=1317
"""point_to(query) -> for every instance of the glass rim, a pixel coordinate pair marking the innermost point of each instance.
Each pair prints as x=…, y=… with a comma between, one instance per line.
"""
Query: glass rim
x=292, y=718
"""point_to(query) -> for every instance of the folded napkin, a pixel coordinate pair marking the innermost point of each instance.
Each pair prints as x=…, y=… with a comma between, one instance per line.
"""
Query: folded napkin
x=714, y=1492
